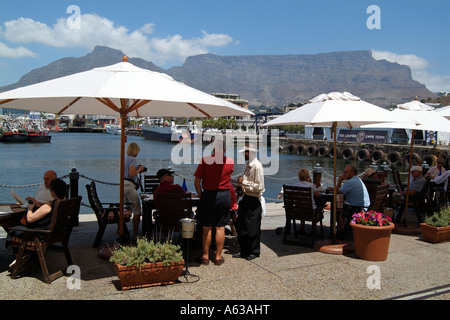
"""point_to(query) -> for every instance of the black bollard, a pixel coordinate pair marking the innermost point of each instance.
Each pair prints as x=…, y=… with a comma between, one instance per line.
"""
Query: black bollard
x=74, y=176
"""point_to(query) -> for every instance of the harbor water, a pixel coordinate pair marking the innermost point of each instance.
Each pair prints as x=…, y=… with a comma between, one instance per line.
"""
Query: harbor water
x=96, y=156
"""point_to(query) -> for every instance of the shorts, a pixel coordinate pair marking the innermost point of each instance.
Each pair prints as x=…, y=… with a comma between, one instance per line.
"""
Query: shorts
x=214, y=208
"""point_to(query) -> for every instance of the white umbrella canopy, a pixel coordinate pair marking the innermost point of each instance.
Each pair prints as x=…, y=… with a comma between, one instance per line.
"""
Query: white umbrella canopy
x=429, y=120
x=120, y=89
x=445, y=112
x=102, y=91
x=336, y=109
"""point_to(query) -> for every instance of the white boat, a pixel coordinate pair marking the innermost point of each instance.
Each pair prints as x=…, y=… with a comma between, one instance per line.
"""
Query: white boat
x=173, y=133
x=113, y=129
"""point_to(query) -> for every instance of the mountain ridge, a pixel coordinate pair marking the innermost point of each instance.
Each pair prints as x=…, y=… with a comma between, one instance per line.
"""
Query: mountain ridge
x=270, y=80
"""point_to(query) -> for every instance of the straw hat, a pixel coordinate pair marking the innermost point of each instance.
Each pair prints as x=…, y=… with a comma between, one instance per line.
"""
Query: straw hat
x=249, y=147
x=368, y=172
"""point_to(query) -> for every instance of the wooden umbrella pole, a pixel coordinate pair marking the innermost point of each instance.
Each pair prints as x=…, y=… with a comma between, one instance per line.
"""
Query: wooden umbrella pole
x=333, y=218
x=123, y=139
x=409, y=174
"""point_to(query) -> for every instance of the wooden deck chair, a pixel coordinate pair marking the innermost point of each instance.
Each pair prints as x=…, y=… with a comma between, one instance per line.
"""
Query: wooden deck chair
x=380, y=197
x=105, y=212
x=170, y=208
x=151, y=183
x=65, y=214
x=397, y=180
x=298, y=205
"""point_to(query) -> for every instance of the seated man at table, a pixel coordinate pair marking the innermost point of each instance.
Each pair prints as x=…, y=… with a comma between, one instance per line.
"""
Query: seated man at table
x=306, y=182
x=436, y=170
x=416, y=185
x=355, y=192
x=166, y=183
x=43, y=193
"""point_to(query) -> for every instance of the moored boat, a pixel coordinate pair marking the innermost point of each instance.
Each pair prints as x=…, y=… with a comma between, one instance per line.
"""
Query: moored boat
x=14, y=136
x=113, y=129
x=173, y=133
x=40, y=136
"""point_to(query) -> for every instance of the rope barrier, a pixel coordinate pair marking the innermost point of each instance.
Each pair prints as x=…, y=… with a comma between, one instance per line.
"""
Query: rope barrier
x=327, y=179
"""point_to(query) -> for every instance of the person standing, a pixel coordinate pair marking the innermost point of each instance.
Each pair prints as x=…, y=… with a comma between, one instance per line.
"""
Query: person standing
x=212, y=184
x=248, y=223
x=132, y=169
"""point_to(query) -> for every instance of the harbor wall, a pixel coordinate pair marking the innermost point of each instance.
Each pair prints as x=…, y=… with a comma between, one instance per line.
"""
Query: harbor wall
x=390, y=153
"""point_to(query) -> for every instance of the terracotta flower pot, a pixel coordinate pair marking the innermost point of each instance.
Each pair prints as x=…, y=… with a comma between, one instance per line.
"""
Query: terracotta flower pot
x=371, y=242
x=434, y=234
x=152, y=274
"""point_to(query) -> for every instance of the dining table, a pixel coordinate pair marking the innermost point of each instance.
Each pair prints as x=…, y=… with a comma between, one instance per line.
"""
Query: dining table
x=11, y=213
x=148, y=205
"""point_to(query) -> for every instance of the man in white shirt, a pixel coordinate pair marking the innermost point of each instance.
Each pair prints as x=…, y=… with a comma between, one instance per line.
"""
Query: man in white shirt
x=248, y=223
x=43, y=193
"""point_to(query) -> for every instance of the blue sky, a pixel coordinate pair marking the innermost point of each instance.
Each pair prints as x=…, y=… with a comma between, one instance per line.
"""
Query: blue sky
x=412, y=32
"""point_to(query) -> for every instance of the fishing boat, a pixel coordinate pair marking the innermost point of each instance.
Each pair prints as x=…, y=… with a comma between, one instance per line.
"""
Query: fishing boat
x=172, y=133
x=13, y=134
x=38, y=136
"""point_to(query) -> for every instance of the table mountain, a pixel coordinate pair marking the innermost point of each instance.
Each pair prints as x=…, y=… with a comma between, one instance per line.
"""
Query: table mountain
x=276, y=80
x=270, y=80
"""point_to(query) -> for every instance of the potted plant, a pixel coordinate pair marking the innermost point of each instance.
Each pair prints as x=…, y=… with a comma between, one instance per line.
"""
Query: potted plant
x=147, y=264
x=436, y=228
x=371, y=235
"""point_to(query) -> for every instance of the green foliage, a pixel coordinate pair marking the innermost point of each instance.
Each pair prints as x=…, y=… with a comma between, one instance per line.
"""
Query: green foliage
x=439, y=219
x=147, y=252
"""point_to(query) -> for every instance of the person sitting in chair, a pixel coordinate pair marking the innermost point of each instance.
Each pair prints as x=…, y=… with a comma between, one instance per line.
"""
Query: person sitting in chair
x=38, y=217
x=306, y=182
x=166, y=183
x=355, y=192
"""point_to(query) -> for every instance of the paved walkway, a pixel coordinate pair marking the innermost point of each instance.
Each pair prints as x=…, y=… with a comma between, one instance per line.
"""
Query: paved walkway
x=414, y=269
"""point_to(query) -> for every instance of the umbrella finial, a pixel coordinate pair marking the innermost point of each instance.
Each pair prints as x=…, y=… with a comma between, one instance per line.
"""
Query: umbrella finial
x=125, y=59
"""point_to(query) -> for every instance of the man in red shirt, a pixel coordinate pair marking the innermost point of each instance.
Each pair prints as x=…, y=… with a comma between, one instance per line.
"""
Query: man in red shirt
x=212, y=183
x=166, y=183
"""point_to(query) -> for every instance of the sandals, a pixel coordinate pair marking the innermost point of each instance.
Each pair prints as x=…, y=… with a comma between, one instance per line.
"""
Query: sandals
x=219, y=262
x=203, y=261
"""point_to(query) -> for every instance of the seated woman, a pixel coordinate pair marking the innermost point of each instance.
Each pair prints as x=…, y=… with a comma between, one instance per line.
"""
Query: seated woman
x=40, y=218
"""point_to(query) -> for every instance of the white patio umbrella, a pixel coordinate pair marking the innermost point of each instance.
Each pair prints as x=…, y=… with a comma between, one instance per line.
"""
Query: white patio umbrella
x=445, y=112
x=429, y=120
x=335, y=109
x=121, y=89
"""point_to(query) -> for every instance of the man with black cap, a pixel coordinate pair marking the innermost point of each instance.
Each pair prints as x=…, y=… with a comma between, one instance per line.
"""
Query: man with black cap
x=166, y=183
x=248, y=223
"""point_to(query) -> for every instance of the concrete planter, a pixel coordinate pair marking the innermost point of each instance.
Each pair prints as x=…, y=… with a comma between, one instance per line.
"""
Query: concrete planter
x=371, y=242
x=435, y=234
x=152, y=274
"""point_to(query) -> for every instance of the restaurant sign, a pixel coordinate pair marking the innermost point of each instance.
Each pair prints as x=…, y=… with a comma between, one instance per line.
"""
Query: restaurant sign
x=362, y=136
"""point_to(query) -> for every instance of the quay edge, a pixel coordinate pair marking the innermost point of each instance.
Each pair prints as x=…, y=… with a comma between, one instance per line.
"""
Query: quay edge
x=397, y=154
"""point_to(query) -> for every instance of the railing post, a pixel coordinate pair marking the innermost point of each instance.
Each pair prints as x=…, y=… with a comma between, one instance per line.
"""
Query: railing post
x=74, y=176
x=317, y=175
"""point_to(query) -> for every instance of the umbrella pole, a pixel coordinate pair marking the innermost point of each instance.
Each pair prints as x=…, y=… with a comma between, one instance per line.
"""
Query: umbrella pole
x=409, y=174
x=333, y=220
x=122, y=173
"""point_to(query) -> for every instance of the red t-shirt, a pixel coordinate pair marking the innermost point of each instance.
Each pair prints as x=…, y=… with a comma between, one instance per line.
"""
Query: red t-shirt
x=215, y=175
x=167, y=187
